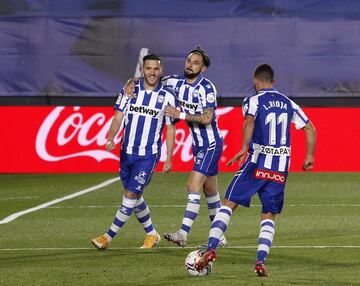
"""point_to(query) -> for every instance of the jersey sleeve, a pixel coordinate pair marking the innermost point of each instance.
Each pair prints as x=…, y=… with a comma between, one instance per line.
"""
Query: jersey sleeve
x=171, y=100
x=209, y=101
x=250, y=106
x=299, y=118
x=121, y=102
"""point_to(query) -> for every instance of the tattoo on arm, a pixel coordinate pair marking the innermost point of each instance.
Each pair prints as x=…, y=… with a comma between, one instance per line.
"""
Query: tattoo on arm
x=204, y=118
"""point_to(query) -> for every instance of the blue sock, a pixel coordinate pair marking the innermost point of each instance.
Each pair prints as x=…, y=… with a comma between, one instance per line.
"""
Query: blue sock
x=219, y=226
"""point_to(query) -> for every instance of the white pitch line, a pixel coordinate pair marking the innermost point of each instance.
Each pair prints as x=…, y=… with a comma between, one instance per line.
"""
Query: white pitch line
x=19, y=198
x=53, y=202
x=187, y=247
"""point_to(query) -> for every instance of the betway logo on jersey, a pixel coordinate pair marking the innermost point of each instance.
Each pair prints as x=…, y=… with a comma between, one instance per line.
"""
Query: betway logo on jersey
x=188, y=105
x=268, y=150
x=144, y=110
x=270, y=176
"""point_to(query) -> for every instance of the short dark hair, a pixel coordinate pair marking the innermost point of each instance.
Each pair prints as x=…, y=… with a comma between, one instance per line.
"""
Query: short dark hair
x=198, y=50
x=151, y=57
x=264, y=73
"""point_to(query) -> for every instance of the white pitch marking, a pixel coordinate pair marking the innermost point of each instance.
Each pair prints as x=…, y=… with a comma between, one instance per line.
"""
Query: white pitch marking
x=187, y=247
x=53, y=202
x=19, y=198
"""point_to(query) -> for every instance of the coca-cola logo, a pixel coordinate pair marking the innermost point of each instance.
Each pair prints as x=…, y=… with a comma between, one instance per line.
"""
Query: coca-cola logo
x=88, y=134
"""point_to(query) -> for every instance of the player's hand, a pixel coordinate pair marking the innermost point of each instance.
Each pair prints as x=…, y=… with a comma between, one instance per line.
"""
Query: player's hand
x=110, y=145
x=238, y=157
x=167, y=166
x=129, y=87
x=308, y=163
x=172, y=112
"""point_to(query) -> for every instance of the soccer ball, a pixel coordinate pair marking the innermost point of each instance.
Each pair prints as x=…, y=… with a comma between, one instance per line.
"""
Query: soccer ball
x=190, y=261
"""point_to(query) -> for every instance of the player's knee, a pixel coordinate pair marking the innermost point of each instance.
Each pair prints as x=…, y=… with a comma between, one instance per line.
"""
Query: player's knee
x=131, y=195
x=193, y=188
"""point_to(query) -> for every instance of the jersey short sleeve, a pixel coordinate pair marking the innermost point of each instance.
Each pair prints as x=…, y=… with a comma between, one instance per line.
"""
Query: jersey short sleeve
x=171, y=100
x=250, y=106
x=209, y=100
x=121, y=102
x=299, y=118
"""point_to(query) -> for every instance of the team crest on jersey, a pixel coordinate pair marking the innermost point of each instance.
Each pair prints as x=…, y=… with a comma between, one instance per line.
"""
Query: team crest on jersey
x=210, y=97
x=195, y=93
x=161, y=98
x=208, y=86
x=141, y=177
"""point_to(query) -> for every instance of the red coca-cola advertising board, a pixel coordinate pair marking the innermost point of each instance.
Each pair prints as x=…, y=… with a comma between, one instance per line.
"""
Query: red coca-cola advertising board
x=62, y=139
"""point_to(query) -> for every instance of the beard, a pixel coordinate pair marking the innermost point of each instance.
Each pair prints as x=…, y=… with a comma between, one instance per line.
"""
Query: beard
x=190, y=75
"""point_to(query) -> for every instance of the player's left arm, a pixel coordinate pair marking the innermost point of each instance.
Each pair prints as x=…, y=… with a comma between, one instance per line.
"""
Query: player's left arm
x=310, y=132
x=203, y=118
x=170, y=143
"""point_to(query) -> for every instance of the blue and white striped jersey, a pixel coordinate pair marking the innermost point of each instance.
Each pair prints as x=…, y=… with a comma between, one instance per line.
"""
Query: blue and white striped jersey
x=193, y=99
x=270, y=144
x=144, y=118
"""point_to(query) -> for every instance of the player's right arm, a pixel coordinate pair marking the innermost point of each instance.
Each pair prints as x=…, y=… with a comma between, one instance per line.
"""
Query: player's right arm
x=248, y=130
x=114, y=129
x=310, y=132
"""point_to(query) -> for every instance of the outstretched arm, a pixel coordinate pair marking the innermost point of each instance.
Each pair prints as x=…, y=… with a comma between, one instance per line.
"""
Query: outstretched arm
x=114, y=129
x=248, y=129
x=204, y=118
x=310, y=146
x=170, y=143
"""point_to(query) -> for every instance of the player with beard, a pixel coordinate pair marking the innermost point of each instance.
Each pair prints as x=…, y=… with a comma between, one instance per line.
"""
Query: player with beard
x=197, y=98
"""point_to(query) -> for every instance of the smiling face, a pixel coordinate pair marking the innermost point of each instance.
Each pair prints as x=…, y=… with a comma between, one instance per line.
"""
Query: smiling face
x=152, y=71
x=194, y=65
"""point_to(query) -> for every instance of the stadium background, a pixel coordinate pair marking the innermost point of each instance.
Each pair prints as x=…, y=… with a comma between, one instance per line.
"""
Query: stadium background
x=62, y=63
x=79, y=53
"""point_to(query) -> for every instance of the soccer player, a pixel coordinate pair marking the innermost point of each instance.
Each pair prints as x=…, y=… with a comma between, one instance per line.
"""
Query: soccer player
x=144, y=119
x=197, y=98
x=266, y=143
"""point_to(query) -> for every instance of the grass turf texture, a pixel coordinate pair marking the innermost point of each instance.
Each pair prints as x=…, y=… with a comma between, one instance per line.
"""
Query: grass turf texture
x=52, y=246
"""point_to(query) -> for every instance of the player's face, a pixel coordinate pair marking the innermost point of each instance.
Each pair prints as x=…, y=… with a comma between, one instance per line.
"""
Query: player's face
x=152, y=71
x=194, y=65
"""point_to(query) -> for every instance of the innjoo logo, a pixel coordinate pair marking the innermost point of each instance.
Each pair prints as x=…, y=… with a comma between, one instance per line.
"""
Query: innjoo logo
x=270, y=176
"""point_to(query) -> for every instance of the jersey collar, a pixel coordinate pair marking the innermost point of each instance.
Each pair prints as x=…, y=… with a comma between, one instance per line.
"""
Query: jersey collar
x=155, y=90
x=196, y=81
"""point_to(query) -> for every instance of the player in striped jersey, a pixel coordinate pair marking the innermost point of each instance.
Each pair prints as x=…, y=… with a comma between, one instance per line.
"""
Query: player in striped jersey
x=144, y=119
x=197, y=98
x=266, y=143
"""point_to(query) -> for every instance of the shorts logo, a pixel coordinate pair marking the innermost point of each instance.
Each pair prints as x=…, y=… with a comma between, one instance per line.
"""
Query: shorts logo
x=270, y=176
x=199, y=157
x=141, y=177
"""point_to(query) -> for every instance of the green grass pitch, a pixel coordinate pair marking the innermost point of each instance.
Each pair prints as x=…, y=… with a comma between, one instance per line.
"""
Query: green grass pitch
x=317, y=238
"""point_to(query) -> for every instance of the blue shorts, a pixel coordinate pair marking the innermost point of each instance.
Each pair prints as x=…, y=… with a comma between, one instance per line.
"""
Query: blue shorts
x=136, y=171
x=206, y=158
x=251, y=179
